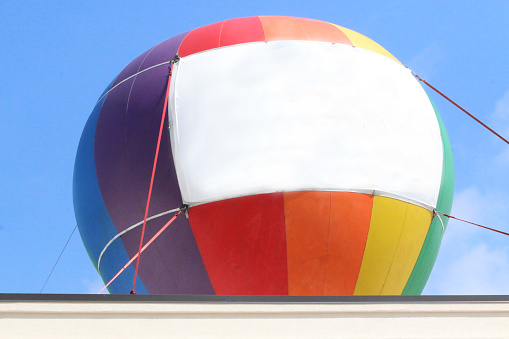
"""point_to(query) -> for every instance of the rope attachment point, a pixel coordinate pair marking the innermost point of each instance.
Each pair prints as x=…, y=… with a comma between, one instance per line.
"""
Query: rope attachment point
x=173, y=61
x=437, y=214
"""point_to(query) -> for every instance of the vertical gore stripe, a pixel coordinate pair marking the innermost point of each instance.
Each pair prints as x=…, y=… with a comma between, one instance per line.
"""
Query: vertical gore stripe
x=415, y=228
x=242, y=243
x=216, y=232
x=94, y=222
x=307, y=216
x=387, y=220
x=261, y=223
x=429, y=252
x=426, y=259
x=395, y=238
x=349, y=226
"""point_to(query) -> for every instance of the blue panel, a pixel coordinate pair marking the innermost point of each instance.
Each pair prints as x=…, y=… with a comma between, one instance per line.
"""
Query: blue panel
x=94, y=222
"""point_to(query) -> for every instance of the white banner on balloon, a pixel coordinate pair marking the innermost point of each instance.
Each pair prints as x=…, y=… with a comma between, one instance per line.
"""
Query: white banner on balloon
x=299, y=115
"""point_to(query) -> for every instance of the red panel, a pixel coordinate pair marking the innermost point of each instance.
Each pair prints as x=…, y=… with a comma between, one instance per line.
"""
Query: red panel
x=242, y=30
x=350, y=220
x=250, y=29
x=242, y=243
x=215, y=229
x=200, y=39
x=261, y=223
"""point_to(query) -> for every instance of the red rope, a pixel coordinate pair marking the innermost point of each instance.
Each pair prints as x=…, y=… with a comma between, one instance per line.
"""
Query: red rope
x=153, y=175
x=461, y=108
x=468, y=222
x=143, y=249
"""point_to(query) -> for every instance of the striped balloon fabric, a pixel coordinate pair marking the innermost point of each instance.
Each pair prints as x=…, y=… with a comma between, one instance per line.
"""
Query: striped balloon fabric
x=311, y=159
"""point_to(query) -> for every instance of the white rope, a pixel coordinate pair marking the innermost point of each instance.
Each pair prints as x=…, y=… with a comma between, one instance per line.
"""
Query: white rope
x=130, y=77
x=129, y=229
x=439, y=218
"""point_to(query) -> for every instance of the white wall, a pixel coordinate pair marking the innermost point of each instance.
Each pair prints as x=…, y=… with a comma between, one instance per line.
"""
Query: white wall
x=95, y=319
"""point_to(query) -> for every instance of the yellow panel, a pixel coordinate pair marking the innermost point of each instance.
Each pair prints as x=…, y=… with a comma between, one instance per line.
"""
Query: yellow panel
x=359, y=40
x=416, y=227
x=387, y=220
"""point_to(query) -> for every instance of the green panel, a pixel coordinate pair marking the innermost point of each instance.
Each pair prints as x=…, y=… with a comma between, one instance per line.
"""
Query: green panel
x=429, y=252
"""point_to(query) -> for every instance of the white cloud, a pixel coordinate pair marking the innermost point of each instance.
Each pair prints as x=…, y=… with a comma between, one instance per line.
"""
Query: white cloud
x=486, y=207
x=470, y=205
x=481, y=269
x=500, y=123
x=502, y=160
x=501, y=115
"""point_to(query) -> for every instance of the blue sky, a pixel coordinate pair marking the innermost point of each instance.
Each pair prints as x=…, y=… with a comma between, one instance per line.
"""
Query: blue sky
x=56, y=58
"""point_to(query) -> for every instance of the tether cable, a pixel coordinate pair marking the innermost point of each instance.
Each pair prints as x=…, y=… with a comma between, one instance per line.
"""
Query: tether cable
x=473, y=223
x=62, y=252
x=461, y=108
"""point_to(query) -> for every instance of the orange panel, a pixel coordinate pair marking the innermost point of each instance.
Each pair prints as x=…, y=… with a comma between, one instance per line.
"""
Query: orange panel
x=324, y=31
x=350, y=220
x=307, y=217
x=283, y=28
x=290, y=28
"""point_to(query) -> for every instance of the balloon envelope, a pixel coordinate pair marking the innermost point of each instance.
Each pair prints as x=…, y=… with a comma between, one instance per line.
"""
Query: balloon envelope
x=310, y=158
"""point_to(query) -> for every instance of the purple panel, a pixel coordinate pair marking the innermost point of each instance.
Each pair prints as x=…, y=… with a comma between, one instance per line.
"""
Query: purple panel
x=110, y=151
x=126, y=139
x=149, y=58
x=132, y=68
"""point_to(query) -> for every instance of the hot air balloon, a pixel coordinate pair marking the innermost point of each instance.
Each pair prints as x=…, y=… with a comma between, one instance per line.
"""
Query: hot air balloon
x=311, y=161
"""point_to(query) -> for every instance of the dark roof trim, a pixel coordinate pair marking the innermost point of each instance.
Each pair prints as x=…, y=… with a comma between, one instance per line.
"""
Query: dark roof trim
x=216, y=299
